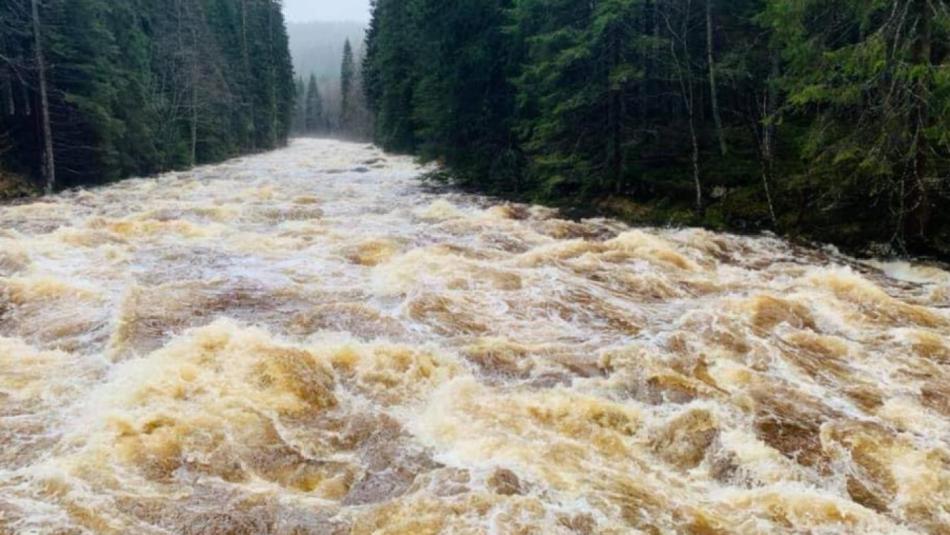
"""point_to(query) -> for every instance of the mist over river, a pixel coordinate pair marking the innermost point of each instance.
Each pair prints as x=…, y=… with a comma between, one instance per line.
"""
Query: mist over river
x=310, y=342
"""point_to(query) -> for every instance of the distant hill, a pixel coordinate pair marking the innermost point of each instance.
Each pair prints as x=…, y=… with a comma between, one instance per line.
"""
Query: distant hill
x=317, y=47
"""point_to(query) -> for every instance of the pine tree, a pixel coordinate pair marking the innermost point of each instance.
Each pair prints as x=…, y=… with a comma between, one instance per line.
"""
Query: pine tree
x=299, y=123
x=824, y=118
x=137, y=87
x=463, y=100
x=49, y=159
x=316, y=122
x=392, y=72
x=347, y=78
x=371, y=68
x=573, y=92
x=869, y=80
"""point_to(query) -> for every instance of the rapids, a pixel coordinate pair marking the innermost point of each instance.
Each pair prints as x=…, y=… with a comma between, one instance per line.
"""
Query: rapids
x=312, y=342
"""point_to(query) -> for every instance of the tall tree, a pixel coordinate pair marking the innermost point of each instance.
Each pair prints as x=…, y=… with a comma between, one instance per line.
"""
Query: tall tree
x=137, y=87
x=299, y=123
x=713, y=84
x=347, y=78
x=872, y=87
x=573, y=92
x=392, y=72
x=316, y=122
x=49, y=160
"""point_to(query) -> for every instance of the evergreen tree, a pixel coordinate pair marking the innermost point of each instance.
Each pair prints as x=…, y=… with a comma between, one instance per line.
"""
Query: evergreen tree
x=316, y=122
x=137, y=87
x=392, y=72
x=463, y=100
x=299, y=123
x=807, y=116
x=347, y=78
x=824, y=118
x=869, y=78
x=371, y=69
x=573, y=90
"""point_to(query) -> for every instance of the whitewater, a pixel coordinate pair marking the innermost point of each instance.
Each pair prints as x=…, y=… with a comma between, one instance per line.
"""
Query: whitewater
x=313, y=341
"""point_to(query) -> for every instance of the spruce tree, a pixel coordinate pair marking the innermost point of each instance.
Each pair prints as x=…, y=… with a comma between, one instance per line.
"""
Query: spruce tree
x=873, y=91
x=392, y=71
x=138, y=87
x=463, y=99
x=299, y=124
x=817, y=117
x=573, y=87
x=347, y=78
x=316, y=122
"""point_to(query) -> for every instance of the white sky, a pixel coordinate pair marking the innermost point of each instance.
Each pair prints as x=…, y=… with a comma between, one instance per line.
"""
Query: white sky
x=332, y=10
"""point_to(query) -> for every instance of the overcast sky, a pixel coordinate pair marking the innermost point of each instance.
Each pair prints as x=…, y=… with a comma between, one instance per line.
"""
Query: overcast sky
x=307, y=10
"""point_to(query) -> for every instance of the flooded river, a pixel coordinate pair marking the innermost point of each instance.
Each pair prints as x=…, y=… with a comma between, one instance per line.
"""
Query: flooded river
x=310, y=342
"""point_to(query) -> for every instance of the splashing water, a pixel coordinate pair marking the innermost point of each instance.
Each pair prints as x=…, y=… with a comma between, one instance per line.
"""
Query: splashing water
x=308, y=341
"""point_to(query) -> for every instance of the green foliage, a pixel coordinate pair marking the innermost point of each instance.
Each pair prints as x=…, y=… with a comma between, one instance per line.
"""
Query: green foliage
x=347, y=81
x=580, y=62
x=138, y=87
x=391, y=71
x=316, y=121
x=870, y=89
x=822, y=117
x=436, y=76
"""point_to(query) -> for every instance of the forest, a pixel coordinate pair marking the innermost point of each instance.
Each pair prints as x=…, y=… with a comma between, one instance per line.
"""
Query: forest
x=95, y=90
x=331, y=103
x=819, y=119
x=606, y=267
x=317, y=46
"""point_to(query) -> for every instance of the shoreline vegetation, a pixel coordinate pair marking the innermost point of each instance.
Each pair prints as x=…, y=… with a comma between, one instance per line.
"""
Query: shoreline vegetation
x=14, y=187
x=310, y=341
x=93, y=91
x=678, y=217
x=17, y=188
x=819, y=121
x=815, y=119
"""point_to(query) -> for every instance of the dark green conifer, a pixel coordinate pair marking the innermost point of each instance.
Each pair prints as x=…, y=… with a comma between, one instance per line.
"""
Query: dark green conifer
x=316, y=122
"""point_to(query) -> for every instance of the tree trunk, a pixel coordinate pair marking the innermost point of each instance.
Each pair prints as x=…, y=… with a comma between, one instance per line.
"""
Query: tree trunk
x=49, y=162
x=25, y=99
x=194, y=102
x=244, y=50
x=915, y=187
x=614, y=117
x=8, y=95
x=178, y=22
x=713, y=86
x=273, y=77
x=190, y=61
x=768, y=135
x=685, y=75
x=643, y=59
x=695, y=158
x=194, y=125
x=245, y=53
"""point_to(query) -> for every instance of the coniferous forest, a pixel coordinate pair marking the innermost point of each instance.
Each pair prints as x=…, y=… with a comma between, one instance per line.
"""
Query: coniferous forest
x=333, y=106
x=828, y=119
x=96, y=90
x=606, y=267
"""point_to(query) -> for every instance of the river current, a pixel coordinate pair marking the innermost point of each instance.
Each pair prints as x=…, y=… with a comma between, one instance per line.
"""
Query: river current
x=312, y=342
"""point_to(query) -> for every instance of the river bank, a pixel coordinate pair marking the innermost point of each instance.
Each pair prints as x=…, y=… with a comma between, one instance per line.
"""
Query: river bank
x=311, y=341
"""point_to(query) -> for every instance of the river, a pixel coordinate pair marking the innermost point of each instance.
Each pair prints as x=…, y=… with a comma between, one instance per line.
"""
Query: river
x=310, y=341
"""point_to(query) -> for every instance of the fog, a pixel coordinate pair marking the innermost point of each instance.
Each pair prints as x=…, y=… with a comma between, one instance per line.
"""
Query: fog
x=307, y=10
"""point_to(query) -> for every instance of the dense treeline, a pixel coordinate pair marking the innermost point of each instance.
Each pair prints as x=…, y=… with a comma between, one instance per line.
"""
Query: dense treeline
x=827, y=118
x=317, y=46
x=95, y=90
x=334, y=106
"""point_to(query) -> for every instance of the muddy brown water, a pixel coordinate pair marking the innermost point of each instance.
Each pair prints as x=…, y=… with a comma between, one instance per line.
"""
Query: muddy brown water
x=303, y=342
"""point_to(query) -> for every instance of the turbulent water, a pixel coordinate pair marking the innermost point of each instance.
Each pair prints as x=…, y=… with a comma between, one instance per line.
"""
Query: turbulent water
x=311, y=342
